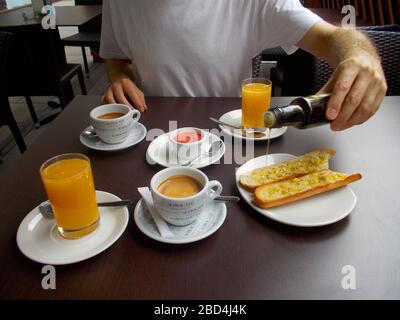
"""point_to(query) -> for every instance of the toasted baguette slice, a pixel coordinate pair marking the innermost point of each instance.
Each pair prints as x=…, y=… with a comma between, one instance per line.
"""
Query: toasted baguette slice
x=311, y=162
x=288, y=191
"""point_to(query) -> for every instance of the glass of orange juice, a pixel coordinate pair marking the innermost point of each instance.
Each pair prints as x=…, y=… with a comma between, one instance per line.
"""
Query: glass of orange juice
x=68, y=181
x=256, y=100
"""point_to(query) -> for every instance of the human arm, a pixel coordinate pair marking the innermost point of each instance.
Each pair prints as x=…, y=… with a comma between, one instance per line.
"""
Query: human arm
x=358, y=84
x=114, y=50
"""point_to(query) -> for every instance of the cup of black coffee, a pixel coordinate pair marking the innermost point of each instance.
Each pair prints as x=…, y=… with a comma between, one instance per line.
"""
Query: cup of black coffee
x=113, y=122
x=180, y=194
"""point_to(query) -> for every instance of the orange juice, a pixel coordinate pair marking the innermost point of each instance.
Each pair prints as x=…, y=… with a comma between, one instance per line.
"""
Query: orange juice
x=69, y=185
x=256, y=99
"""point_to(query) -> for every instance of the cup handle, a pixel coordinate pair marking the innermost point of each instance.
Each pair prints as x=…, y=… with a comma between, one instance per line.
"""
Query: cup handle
x=214, y=189
x=135, y=115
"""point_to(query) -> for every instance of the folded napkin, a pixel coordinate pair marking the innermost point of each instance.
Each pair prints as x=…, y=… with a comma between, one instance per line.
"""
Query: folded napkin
x=162, y=226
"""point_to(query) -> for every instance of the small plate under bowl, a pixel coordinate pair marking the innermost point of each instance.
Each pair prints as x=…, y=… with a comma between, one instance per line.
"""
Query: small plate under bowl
x=161, y=152
x=209, y=221
x=137, y=134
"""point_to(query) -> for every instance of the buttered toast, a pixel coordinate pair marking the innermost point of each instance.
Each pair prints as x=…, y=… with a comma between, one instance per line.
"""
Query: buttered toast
x=311, y=162
x=287, y=191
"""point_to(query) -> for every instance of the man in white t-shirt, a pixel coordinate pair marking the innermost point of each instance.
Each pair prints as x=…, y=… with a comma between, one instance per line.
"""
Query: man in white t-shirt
x=204, y=48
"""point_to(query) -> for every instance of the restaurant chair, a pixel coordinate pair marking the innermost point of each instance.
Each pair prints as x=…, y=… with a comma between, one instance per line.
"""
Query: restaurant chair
x=7, y=119
x=6, y=115
x=38, y=67
x=270, y=65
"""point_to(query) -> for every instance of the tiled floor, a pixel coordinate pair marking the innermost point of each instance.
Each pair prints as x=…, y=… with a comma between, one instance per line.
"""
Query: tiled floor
x=96, y=84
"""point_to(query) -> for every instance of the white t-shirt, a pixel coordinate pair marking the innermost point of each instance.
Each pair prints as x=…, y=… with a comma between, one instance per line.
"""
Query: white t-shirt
x=198, y=48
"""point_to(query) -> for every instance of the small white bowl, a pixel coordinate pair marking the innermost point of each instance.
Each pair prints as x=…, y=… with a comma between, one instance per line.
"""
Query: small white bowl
x=187, y=150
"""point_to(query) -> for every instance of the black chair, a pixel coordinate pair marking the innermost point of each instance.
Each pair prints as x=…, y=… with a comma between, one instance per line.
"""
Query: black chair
x=302, y=74
x=88, y=35
x=293, y=74
x=6, y=115
x=270, y=64
x=38, y=67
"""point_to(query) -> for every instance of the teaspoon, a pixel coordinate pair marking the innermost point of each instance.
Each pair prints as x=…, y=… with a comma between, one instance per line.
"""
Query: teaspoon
x=46, y=210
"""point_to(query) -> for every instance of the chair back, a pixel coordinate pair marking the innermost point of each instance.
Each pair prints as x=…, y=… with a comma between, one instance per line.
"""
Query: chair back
x=6, y=39
x=35, y=62
x=6, y=115
x=292, y=75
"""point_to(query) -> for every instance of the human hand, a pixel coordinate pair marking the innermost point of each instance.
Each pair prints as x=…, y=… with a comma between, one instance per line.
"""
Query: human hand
x=357, y=89
x=124, y=91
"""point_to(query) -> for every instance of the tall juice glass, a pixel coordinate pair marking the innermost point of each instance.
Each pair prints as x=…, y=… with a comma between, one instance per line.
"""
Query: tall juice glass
x=256, y=100
x=68, y=181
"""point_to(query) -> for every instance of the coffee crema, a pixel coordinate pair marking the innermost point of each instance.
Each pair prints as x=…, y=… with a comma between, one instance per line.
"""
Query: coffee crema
x=111, y=115
x=179, y=187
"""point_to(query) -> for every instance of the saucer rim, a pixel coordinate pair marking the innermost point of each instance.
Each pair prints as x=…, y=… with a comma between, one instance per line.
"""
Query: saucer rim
x=71, y=261
x=116, y=148
x=228, y=132
x=174, y=240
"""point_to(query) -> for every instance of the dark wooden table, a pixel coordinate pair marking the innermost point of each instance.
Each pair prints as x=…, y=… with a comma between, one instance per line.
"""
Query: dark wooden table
x=66, y=16
x=250, y=256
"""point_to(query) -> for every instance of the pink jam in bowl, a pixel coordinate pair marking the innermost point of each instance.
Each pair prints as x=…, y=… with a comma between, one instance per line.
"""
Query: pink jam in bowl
x=188, y=136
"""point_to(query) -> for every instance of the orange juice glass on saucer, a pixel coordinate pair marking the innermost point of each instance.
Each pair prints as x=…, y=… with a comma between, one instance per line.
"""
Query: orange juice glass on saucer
x=256, y=100
x=68, y=181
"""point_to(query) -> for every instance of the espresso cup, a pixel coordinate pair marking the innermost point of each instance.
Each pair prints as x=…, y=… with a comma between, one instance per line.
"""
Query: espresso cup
x=114, y=130
x=187, y=150
x=183, y=211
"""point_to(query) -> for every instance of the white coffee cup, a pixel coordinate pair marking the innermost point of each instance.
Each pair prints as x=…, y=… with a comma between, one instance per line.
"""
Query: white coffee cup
x=114, y=130
x=187, y=150
x=183, y=211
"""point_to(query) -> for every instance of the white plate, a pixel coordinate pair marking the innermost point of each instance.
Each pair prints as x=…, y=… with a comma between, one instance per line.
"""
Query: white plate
x=158, y=152
x=210, y=220
x=137, y=134
x=39, y=240
x=235, y=118
x=320, y=210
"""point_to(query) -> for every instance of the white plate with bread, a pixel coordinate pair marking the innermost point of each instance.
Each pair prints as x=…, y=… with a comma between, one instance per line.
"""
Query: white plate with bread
x=298, y=191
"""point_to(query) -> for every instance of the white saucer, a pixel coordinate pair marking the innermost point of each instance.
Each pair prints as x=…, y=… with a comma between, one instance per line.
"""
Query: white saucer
x=39, y=240
x=235, y=118
x=320, y=210
x=158, y=152
x=210, y=220
x=137, y=134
